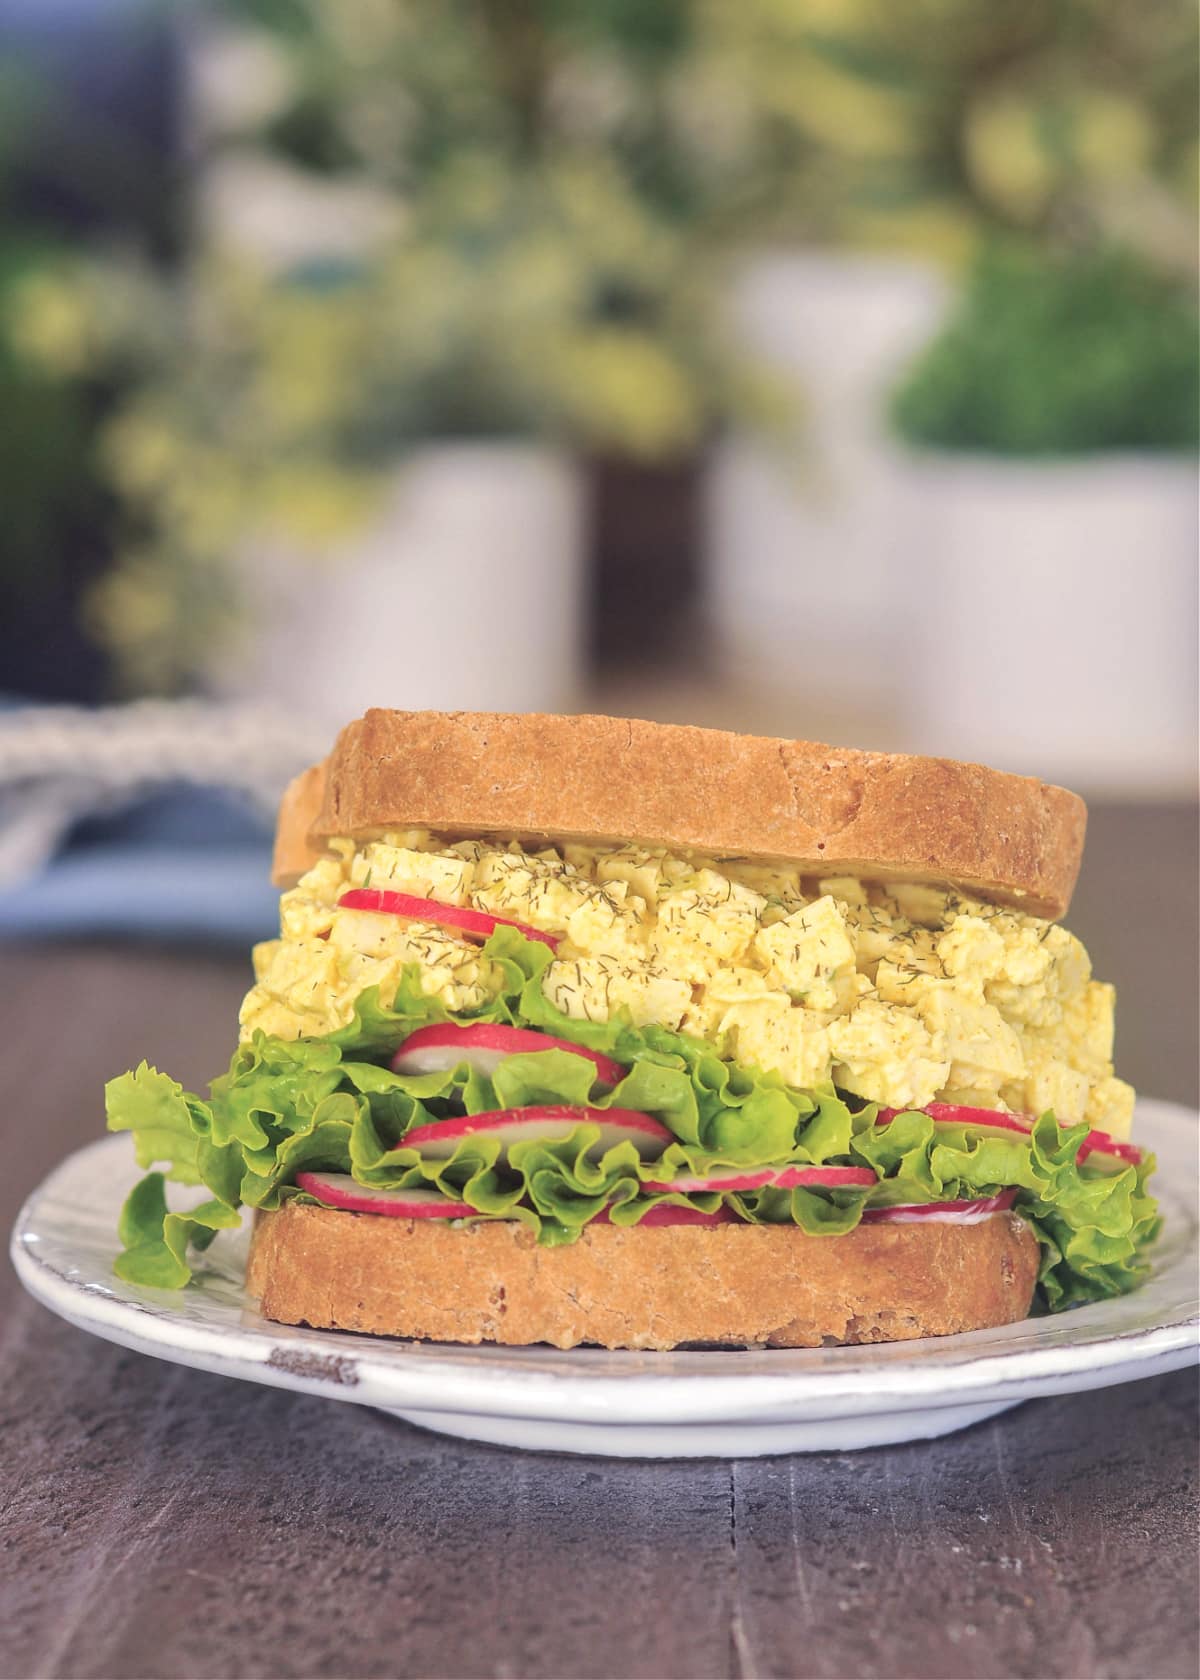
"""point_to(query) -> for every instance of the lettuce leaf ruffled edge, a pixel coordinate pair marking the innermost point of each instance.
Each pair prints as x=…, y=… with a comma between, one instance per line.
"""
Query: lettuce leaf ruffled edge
x=326, y=1104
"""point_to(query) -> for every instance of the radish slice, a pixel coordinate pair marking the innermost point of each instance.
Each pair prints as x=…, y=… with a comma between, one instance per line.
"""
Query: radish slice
x=662, y=1213
x=951, y=1114
x=436, y=1049
x=942, y=1213
x=438, y=1141
x=339, y=1190
x=477, y=923
x=785, y=1178
x=1106, y=1154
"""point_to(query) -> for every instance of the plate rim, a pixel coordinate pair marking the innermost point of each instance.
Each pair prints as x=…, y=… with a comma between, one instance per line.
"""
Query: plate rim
x=395, y=1374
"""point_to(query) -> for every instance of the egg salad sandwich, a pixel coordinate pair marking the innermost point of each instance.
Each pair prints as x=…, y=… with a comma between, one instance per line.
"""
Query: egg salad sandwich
x=583, y=1030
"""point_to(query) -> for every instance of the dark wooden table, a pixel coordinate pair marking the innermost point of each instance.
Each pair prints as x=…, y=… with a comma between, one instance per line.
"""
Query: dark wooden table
x=160, y=1522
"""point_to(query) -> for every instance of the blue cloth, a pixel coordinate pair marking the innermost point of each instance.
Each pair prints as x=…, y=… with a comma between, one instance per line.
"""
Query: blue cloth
x=189, y=864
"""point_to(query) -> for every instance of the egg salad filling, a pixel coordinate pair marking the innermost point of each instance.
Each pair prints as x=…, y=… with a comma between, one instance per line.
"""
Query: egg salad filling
x=899, y=994
x=813, y=1051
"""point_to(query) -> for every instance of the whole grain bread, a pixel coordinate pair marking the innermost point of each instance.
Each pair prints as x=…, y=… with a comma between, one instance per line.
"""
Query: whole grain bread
x=295, y=852
x=830, y=810
x=733, y=1285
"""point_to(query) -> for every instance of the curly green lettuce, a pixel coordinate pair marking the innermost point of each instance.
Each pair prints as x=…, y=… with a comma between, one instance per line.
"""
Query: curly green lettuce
x=333, y=1104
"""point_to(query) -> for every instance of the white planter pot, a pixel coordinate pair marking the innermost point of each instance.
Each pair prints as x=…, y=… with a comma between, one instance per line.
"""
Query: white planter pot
x=797, y=537
x=1051, y=622
x=464, y=593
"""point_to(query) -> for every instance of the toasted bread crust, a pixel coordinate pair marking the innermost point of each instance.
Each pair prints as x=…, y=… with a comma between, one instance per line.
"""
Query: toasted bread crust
x=294, y=851
x=829, y=810
x=734, y=1285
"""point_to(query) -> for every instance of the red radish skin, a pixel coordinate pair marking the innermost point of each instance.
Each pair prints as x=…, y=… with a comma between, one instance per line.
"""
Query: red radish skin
x=1107, y=1155
x=437, y=1048
x=951, y=1114
x=439, y=1140
x=1112, y=1155
x=662, y=1213
x=339, y=1190
x=944, y=1213
x=477, y=923
x=786, y=1178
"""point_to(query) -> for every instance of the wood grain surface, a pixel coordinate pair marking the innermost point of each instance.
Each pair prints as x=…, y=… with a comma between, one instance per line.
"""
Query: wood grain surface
x=156, y=1521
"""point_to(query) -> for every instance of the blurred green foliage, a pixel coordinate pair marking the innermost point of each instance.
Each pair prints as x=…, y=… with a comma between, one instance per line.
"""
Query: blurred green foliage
x=45, y=435
x=46, y=458
x=1059, y=355
x=84, y=159
x=542, y=197
x=950, y=121
x=561, y=207
x=923, y=124
x=517, y=217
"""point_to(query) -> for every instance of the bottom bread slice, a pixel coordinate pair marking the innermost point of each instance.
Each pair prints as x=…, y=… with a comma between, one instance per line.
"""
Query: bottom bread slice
x=734, y=1285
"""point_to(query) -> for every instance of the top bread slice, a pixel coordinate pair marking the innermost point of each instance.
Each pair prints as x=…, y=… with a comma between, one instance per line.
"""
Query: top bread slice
x=826, y=810
x=295, y=852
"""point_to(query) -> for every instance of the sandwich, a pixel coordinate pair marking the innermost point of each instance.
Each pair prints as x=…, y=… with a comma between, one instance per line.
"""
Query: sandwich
x=581, y=1030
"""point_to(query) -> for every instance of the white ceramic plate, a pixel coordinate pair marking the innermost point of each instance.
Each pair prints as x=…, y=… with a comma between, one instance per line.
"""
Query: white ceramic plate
x=732, y=1404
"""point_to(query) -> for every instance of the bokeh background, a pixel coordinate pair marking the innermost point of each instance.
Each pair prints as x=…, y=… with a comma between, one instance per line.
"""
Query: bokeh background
x=826, y=368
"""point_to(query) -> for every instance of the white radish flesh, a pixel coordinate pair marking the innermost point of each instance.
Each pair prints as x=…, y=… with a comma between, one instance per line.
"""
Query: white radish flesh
x=730, y=1179
x=441, y=1138
x=484, y=1045
x=339, y=1190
